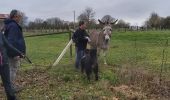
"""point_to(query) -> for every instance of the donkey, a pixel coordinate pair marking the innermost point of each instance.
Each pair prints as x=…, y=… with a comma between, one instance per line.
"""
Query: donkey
x=89, y=63
x=100, y=40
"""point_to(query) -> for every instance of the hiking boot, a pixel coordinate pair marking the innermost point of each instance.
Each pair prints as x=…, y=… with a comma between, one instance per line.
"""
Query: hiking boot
x=11, y=98
x=18, y=89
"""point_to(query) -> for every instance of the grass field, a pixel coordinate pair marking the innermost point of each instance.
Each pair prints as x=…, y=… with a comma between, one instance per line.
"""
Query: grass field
x=133, y=70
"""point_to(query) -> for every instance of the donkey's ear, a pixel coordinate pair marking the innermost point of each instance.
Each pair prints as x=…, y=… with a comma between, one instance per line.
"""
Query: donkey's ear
x=114, y=22
x=101, y=22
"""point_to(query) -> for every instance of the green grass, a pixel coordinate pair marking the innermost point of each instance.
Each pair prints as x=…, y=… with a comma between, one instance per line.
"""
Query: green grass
x=44, y=50
x=147, y=54
x=149, y=46
x=139, y=49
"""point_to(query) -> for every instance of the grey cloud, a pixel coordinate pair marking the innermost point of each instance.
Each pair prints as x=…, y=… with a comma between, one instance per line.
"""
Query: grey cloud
x=134, y=11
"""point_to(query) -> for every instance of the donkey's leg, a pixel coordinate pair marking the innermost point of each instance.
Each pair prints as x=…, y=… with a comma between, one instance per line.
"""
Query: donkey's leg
x=88, y=72
x=98, y=52
x=104, y=54
x=82, y=65
x=95, y=70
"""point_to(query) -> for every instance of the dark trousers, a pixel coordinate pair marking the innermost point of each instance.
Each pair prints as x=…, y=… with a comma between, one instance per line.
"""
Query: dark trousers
x=79, y=55
x=5, y=76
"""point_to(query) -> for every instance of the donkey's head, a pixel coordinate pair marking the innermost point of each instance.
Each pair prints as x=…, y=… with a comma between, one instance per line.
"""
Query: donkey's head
x=107, y=29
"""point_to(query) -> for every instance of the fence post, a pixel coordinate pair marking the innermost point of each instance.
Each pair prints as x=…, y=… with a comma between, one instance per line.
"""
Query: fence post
x=62, y=53
x=70, y=35
x=164, y=61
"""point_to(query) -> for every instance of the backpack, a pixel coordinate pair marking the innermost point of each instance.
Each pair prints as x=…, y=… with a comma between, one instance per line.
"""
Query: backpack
x=1, y=56
x=2, y=29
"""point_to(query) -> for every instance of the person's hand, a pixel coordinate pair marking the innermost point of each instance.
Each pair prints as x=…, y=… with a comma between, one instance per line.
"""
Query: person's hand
x=88, y=38
x=22, y=56
x=17, y=57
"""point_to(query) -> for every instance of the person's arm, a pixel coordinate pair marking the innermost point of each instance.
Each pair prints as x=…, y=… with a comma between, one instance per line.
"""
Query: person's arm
x=87, y=37
x=10, y=47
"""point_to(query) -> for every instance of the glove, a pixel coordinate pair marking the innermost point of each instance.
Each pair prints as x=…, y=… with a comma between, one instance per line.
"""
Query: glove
x=17, y=57
x=88, y=38
x=22, y=56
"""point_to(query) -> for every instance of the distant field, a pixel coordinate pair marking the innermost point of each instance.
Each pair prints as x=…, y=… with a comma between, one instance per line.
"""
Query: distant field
x=131, y=55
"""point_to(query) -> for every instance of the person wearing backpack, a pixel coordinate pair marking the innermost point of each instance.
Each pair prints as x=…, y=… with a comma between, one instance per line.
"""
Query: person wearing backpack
x=14, y=35
x=4, y=66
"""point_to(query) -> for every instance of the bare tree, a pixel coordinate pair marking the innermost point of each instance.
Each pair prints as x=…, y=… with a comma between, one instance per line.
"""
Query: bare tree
x=166, y=22
x=38, y=23
x=154, y=20
x=121, y=23
x=107, y=19
x=54, y=22
x=82, y=17
x=24, y=19
x=87, y=15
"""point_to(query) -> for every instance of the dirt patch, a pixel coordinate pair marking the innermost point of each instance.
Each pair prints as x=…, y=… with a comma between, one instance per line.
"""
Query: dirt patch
x=146, y=83
x=137, y=85
x=34, y=76
x=128, y=92
x=27, y=79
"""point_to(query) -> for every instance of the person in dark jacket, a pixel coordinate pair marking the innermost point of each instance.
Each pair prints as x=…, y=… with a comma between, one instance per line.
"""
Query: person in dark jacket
x=4, y=66
x=13, y=33
x=80, y=37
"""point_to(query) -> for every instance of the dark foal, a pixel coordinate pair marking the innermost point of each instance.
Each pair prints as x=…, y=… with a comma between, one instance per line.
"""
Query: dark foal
x=89, y=63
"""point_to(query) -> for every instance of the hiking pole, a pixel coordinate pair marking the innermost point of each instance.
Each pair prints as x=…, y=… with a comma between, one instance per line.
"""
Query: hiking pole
x=35, y=65
x=28, y=60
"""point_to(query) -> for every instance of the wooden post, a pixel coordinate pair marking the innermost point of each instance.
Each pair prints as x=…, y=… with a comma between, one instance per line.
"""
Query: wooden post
x=70, y=35
x=62, y=53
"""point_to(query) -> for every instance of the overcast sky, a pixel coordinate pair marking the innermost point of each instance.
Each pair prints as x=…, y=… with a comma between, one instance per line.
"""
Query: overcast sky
x=133, y=11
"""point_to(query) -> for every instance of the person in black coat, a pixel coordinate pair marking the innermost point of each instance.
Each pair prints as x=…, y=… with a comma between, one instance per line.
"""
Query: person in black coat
x=14, y=35
x=81, y=38
x=4, y=66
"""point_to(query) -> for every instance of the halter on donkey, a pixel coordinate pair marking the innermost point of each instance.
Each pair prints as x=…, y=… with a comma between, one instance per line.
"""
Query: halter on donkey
x=100, y=40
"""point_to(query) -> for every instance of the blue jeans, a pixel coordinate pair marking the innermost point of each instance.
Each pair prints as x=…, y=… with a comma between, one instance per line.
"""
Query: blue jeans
x=5, y=76
x=79, y=55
